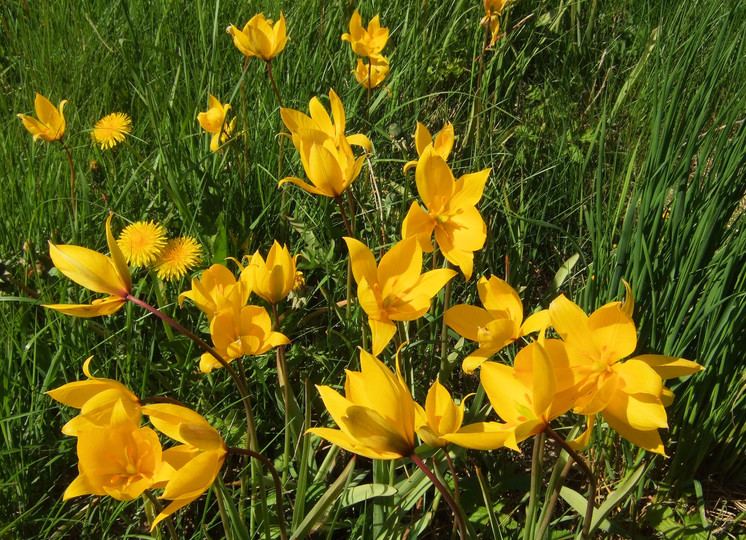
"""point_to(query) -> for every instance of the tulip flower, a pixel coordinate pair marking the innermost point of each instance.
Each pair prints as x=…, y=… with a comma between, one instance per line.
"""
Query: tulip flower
x=213, y=121
x=196, y=463
x=50, y=125
x=376, y=416
x=259, y=38
x=330, y=169
x=218, y=289
x=96, y=398
x=94, y=271
x=366, y=42
x=495, y=326
x=372, y=75
x=451, y=211
x=527, y=396
x=493, y=9
x=274, y=279
x=319, y=120
x=120, y=460
x=236, y=333
x=442, y=144
x=630, y=395
x=439, y=417
x=394, y=290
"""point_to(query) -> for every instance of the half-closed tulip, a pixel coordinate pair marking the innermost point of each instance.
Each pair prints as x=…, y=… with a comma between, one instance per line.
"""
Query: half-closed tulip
x=259, y=38
x=49, y=124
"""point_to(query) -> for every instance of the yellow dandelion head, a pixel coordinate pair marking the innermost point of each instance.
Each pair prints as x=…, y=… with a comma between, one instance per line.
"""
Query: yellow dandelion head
x=179, y=255
x=111, y=130
x=141, y=242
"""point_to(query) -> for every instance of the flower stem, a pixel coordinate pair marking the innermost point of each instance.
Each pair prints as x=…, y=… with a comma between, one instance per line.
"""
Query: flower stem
x=282, y=379
x=158, y=508
x=274, y=86
x=587, y=470
x=275, y=478
x=242, y=390
x=537, y=459
x=72, y=176
x=341, y=205
x=457, y=512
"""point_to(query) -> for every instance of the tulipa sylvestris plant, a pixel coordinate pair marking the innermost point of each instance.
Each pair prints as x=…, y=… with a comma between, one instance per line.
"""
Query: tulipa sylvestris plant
x=573, y=371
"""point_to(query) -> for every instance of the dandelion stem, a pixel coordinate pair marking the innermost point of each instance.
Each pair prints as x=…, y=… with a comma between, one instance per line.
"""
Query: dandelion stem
x=587, y=470
x=158, y=508
x=275, y=478
x=455, y=508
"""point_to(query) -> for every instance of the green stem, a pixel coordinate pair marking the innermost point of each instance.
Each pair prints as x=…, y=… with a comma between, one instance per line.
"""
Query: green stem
x=158, y=508
x=455, y=508
x=552, y=502
x=587, y=470
x=275, y=478
x=537, y=459
x=72, y=177
x=282, y=379
x=445, y=369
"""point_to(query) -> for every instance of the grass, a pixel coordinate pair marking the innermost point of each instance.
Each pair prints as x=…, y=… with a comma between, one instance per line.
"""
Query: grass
x=614, y=132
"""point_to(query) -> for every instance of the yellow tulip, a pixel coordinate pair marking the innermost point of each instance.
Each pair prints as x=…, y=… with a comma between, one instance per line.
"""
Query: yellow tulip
x=195, y=463
x=298, y=122
x=527, y=396
x=218, y=289
x=495, y=326
x=630, y=395
x=213, y=121
x=94, y=271
x=330, y=169
x=376, y=414
x=259, y=38
x=120, y=460
x=236, y=333
x=96, y=399
x=274, y=279
x=439, y=417
x=493, y=9
x=366, y=42
x=451, y=211
x=50, y=125
x=372, y=75
x=394, y=290
x=442, y=144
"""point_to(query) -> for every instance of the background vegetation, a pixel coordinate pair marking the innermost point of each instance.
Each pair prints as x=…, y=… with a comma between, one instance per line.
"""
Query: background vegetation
x=615, y=131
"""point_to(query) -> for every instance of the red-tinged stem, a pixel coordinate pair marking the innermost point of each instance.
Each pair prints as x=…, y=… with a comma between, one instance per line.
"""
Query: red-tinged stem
x=457, y=514
x=274, y=86
x=350, y=232
x=587, y=470
x=282, y=379
x=275, y=478
x=242, y=390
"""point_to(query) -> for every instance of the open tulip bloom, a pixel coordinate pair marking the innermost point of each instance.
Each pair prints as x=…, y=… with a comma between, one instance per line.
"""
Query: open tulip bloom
x=376, y=416
x=371, y=75
x=218, y=289
x=298, y=122
x=442, y=144
x=496, y=325
x=94, y=271
x=366, y=42
x=259, y=38
x=49, y=124
x=213, y=121
x=630, y=395
x=395, y=289
x=451, y=211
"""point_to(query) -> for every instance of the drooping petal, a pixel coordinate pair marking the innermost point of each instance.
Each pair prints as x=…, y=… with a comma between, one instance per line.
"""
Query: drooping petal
x=381, y=333
x=466, y=320
x=484, y=436
x=669, y=367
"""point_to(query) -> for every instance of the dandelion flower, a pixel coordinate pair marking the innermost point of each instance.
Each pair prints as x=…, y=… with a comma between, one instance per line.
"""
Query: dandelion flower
x=111, y=130
x=179, y=255
x=141, y=242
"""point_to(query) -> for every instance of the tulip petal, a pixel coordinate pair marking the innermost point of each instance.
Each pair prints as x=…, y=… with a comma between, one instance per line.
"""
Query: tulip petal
x=363, y=261
x=669, y=367
x=381, y=333
x=468, y=189
x=466, y=320
x=305, y=186
x=484, y=436
x=419, y=224
x=105, y=306
x=435, y=182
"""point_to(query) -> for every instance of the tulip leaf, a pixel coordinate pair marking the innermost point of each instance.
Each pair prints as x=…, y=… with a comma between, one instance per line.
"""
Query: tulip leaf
x=578, y=503
x=564, y=271
x=317, y=514
x=237, y=524
x=368, y=491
